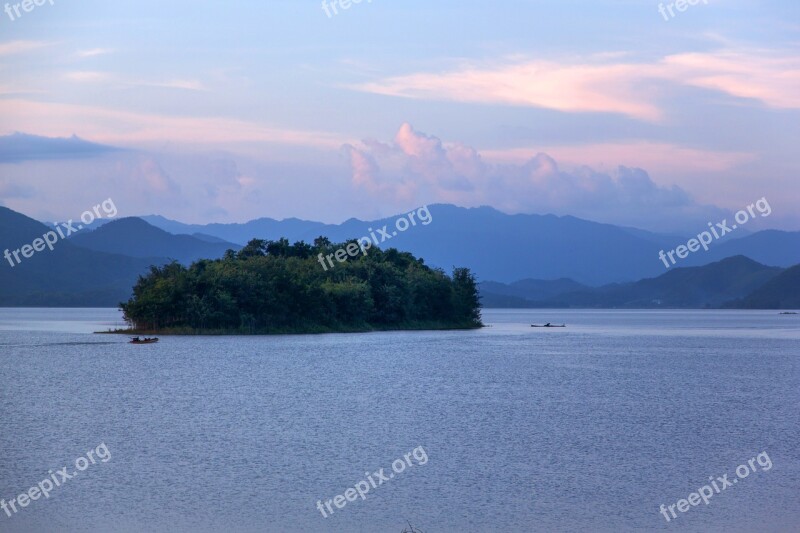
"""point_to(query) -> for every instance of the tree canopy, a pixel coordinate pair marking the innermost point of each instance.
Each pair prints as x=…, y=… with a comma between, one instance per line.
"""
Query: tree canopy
x=277, y=287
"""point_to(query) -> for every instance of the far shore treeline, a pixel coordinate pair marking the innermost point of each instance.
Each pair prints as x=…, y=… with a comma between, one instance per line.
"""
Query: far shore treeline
x=277, y=287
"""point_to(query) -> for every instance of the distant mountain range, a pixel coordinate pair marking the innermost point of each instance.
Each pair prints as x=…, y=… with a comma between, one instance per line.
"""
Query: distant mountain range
x=507, y=248
x=562, y=261
x=136, y=238
x=780, y=292
x=526, y=292
x=718, y=284
x=67, y=276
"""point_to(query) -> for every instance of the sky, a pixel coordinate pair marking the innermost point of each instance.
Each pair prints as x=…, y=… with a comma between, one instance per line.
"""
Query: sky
x=613, y=111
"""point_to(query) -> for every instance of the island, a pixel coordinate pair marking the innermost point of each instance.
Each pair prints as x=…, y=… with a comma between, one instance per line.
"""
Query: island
x=273, y=287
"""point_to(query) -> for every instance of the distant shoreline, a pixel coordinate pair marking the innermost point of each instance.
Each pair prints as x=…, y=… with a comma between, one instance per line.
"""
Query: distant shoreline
x=301, y=331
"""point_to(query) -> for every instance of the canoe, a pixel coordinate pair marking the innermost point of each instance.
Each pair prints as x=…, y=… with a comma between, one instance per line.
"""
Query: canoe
x=137, y=340
x=548, y=325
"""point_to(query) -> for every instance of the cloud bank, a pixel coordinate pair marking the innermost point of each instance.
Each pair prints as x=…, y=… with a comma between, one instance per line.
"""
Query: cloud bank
x=415, y=168
x=19, y=147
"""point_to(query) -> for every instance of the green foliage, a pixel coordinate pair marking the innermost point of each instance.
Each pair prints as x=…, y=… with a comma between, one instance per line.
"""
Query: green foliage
x=274, y=286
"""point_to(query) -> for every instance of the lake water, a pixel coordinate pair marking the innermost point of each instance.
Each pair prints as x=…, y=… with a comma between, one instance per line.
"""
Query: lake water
x=587, y=428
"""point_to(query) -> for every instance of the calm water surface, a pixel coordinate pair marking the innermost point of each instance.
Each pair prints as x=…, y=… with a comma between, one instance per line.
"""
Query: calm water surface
x=587, y=428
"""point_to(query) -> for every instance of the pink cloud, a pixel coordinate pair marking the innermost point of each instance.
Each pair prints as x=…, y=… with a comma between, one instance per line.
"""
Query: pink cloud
x=597, y=84
x=416, y=169
x=571, y=88
x=772, y=80
x=124, y=127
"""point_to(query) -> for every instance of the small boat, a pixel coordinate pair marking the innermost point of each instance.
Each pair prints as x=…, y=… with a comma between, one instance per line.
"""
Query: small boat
x=788, y=313
x=146, y=340
x=548, y=325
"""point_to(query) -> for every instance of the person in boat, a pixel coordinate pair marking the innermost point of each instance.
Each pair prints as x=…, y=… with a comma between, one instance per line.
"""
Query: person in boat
x=136, y=339
x=547, y=325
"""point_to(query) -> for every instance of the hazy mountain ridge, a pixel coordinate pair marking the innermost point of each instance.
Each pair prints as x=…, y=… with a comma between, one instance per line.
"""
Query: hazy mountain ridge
x=709, y=286
x=531, y=289
x=769, y=247
x=566, y=254
x=508, y=248
x=136, y=238
x=780, y=292
x=66, y=276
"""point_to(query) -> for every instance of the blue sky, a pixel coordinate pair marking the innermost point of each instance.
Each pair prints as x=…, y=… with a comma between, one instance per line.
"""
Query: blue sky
x=231, y=111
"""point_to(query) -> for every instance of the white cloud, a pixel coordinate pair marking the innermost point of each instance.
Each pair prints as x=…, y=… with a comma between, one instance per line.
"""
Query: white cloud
x=667, y=159
x=188, y=85
x=20, y=47
x=95, y=52
x=87, y=76
x=415, y=169
x=107, y=77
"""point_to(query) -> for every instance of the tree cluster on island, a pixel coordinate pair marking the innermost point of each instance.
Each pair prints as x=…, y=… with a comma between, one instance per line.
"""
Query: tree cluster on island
x=277, y=287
